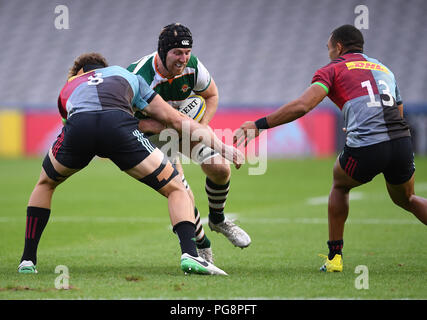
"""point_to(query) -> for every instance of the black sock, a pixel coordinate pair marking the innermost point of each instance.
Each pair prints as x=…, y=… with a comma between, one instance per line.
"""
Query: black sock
x=335, y=247
x=217, y=196
x=186, y=235
x=37, y=219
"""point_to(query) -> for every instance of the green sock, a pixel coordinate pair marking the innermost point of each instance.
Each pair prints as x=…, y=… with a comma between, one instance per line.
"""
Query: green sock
x=203, y=243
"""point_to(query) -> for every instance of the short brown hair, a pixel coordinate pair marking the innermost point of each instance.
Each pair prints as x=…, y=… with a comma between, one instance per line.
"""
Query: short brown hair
x=92, y=58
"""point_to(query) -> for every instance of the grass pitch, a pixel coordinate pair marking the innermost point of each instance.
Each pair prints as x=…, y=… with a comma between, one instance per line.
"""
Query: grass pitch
x=114, y=236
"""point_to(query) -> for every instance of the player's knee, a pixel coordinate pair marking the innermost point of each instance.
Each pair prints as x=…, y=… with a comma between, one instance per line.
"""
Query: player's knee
x=403, y=200
x=341, y=187
x=218, y=173
x=174, y=186
x=45, y=182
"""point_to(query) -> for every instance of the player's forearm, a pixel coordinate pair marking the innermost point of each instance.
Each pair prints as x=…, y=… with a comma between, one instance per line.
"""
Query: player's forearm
x=204, y=134
x=287, y=113
x=211, y=107
x=295, y=109
x=197, y=132
x=211, y=97
x=150, y=126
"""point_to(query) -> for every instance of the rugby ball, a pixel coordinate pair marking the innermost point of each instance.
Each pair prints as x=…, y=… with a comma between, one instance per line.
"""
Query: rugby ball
x=194, y=107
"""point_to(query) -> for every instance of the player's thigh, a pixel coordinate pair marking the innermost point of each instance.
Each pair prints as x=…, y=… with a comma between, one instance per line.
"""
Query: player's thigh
x=53, y=173
x=157, y=172
x=362, y=164
x=400, y=172
x=149, y=164
x=401, y=166
x=60, y=168
x=341, y=179
x=71, y=151
x=400, y=193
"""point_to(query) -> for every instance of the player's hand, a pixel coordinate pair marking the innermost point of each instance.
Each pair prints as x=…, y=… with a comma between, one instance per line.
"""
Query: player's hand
x=245, y=133
x=150, y=126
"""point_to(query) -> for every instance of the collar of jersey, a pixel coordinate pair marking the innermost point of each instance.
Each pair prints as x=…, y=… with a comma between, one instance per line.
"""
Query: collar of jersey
x=79, y=75
x=170, y=80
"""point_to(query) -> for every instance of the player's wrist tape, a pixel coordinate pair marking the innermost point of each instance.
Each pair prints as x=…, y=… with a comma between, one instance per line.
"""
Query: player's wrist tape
x=262, y=123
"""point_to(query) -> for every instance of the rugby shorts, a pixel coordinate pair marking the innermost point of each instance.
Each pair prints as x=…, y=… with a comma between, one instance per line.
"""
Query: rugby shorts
x=393, y=158
x=109, y=134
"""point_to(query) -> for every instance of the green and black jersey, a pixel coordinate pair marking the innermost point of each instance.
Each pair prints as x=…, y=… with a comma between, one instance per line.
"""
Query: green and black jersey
x=195, y=78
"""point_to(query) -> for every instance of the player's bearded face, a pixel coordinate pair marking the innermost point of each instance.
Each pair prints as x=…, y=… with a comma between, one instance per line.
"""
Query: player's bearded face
x=177, y=59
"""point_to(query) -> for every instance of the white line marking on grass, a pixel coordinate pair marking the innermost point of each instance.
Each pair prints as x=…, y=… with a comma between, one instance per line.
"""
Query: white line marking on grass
x=368, y=221
x=205, y=221
x=242, y=219
x=229, y=215
x=79, y=219
x=324, y=199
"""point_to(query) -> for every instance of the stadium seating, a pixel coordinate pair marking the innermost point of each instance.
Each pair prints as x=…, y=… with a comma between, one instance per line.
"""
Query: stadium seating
x=261, y=53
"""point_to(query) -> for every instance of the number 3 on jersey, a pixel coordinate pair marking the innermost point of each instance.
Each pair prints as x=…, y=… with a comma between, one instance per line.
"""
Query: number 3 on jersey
x=95, y=79
x=386, y=91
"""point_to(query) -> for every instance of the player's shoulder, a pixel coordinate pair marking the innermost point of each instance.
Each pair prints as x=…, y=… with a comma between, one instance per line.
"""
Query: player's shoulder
x=341, y=61
x=326, y=67
x=117, y=71
x=144, y=67
x=141, y=64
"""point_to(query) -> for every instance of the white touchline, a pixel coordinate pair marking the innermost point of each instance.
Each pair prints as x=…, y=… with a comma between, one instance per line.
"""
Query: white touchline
x=241, y=218
x=229, y=215
x=324, y=199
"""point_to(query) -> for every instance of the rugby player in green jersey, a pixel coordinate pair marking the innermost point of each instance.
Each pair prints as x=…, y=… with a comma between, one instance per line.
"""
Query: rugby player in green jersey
x=175, y=73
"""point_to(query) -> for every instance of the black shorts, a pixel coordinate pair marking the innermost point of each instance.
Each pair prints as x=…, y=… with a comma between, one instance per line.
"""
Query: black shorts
x=394, y=158
x=109, y=134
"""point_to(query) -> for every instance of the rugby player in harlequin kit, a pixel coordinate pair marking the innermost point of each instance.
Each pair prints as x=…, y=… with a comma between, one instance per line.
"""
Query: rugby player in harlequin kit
x=98, y=103
x=378, y=137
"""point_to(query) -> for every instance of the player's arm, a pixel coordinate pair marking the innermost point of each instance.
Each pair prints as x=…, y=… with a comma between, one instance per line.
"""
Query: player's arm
x=400, y=107
x=161, y=111
x=62, y=110
x=211, y=97
x=399, y=101
x=149, y=125
x=289, y=112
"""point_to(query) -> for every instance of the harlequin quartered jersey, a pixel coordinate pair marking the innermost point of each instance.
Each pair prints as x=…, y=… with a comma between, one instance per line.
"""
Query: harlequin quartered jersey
x=367, y=93
x=194, y=78
x=104, y=89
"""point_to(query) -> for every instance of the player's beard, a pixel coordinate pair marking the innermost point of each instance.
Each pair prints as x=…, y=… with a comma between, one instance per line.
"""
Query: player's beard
x=176, y=70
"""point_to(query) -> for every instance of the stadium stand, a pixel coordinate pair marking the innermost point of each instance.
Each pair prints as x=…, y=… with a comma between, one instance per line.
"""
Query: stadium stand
x=259, y=52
